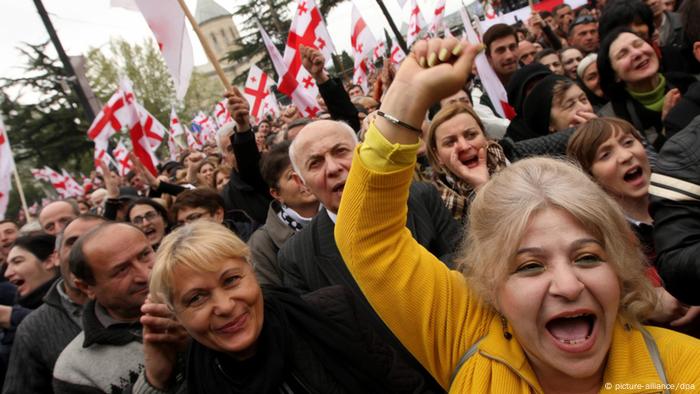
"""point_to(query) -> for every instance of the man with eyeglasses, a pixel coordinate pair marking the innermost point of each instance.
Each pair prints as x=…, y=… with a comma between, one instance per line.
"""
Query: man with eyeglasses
x=198, y=204
x=583, y=34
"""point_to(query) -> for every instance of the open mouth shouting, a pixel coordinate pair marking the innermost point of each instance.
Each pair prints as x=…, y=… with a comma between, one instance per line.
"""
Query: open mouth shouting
x=634, y=176
x=573, y=332
x=469, y=160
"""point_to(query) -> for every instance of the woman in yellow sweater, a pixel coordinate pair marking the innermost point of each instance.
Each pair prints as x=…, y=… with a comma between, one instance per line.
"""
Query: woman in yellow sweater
x=553, y=291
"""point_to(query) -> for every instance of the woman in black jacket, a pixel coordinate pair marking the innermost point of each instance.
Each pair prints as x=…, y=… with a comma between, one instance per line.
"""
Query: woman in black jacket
x=638, y=92
x=246, y=340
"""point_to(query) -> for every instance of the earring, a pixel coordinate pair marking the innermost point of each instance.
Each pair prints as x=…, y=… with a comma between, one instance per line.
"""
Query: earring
x=504, y=323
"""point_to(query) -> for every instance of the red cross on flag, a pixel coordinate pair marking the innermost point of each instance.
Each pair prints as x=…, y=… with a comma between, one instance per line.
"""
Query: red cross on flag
x=397, y=54
x=257, y=92
x=101, y=154
x=359, y=76
x=361, y=37
x=73, y=188
x=307, y=29
x=206, y=126
x=492, y=84
x=121, y=156
x=192, y=141
x=379, y=51
x=153, y=129
x=138, y=133
x=7, y=166
x=221, y=113
x=114, y=116
x=40, y=174
x=415, y=24
x=436, y=25
x=58, y=181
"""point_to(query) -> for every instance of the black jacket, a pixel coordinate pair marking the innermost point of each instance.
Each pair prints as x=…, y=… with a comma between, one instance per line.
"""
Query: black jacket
x=675, y=207
x=246, y=190
x=39, y=341
x=310, y=260
x=338, y=103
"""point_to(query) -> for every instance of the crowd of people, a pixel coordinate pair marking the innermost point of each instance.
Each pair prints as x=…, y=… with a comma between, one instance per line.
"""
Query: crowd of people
x=409, y=239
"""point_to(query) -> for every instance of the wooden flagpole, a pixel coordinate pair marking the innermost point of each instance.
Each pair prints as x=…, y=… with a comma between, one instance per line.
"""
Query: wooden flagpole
x=21, y=194
x=207, y=49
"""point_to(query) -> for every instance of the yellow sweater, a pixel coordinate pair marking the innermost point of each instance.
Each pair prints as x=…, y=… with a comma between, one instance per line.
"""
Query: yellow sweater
x=435, y=315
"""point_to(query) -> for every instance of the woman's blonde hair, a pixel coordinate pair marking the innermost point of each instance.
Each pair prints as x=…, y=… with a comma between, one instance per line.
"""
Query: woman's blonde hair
x=447, y=112
x=502, y=209
x=201, y=246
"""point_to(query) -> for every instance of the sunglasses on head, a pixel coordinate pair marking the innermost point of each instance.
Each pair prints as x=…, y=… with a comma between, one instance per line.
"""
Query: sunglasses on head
x=582, y=20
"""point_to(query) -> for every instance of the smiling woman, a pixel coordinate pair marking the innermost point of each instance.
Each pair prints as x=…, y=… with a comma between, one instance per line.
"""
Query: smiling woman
x=250, y=340
x=552, y=292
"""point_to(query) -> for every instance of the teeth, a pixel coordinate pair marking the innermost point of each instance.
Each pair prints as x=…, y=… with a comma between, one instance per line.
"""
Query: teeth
x=574, y=341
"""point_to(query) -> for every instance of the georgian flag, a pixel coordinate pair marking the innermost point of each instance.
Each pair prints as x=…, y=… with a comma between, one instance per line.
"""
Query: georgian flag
x=205, y=127
x=359, y=76
x=436, y=25
x=415, y=24
x=7, y=166
x=258, y=94
x=121, y=156
x=154, y=130
x=40, y=174
x=221, y=113
x=379, y=51
x=73, y=188
x=138, y=133
x=397, y=54
x=58, y=182
x=307, y=29
x=361, y=37
x=114, y=116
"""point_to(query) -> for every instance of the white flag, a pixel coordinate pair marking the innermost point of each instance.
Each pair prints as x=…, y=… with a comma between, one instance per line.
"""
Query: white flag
x=415, y=24
x=167, y=21
x=7, y=165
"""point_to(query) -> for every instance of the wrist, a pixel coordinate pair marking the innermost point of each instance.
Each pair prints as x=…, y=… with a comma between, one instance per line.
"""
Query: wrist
x=157, y=382
x=321, y=77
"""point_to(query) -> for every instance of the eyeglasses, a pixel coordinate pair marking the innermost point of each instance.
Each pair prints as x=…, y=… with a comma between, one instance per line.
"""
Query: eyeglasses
x=191, y=218
x=582, y=20
x=150, y=216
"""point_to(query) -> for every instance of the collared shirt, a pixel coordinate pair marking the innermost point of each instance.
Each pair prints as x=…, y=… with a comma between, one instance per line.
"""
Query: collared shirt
x=106, y=320
x=75, y=311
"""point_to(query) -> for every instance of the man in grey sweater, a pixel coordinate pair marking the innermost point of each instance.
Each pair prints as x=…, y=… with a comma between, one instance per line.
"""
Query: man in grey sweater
x=45, y=332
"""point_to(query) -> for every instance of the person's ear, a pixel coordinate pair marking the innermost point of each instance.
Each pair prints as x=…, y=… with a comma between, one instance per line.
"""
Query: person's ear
x=51, y=262
x=84, y=287
x=274, y=192
x=298, y=179
x=219, y=215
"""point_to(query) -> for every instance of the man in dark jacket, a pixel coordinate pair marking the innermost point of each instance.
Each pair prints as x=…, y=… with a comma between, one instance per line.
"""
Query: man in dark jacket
x=321, y=156
x=45, y=332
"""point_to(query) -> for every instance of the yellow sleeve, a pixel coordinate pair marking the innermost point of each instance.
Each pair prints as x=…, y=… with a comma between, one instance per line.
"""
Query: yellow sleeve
x=380, y=155
x=428, y=307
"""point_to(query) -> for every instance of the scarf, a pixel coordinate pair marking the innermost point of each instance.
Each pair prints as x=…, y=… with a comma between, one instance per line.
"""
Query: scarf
x=291, y=218
x=653, y=99
x=290, y=327
x=456, y=193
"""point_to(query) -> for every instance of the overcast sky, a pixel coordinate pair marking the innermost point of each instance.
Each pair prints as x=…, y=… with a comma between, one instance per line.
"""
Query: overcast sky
x=82, y=24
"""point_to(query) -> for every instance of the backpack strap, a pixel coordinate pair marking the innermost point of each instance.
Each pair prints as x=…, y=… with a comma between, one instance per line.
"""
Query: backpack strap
x=466, y=356
x=655, y=357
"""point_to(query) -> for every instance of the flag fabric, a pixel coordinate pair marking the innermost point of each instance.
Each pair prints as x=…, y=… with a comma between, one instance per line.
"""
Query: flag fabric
x=401, y=3
x=221, y=113
x=113, y=117
x=40, y=174
x=359, y=76
x=138, y=134
x=152, y=128
x=379, y=51
x=177, y=132
x=307, y=29
x=489, y=80
x=167, y=21
x=436, y=25
x=205, y=127
x=415, y=24
x=258, y=94
x=73, y=188
x=361, y=38
x=303, y=99
x=58, y=182
x=397, y=54
x=7, y=166
x=192, y=141
x=101, y=154
x=121, y=156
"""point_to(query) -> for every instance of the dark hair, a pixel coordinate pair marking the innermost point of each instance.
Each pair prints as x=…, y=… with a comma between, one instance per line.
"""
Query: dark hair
x=690, y=14
x=609, y=85
x=537, y=106
x=40, y=245
x=9, y=221
x=581, y=20
x=545, y=14
x=559, y=7
x=499, y=30
x=545, y=52
x=584, y=143
x=619, y=13
x=147, y=201
x=274, y=162
x=204, y=197
x=130, y=175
